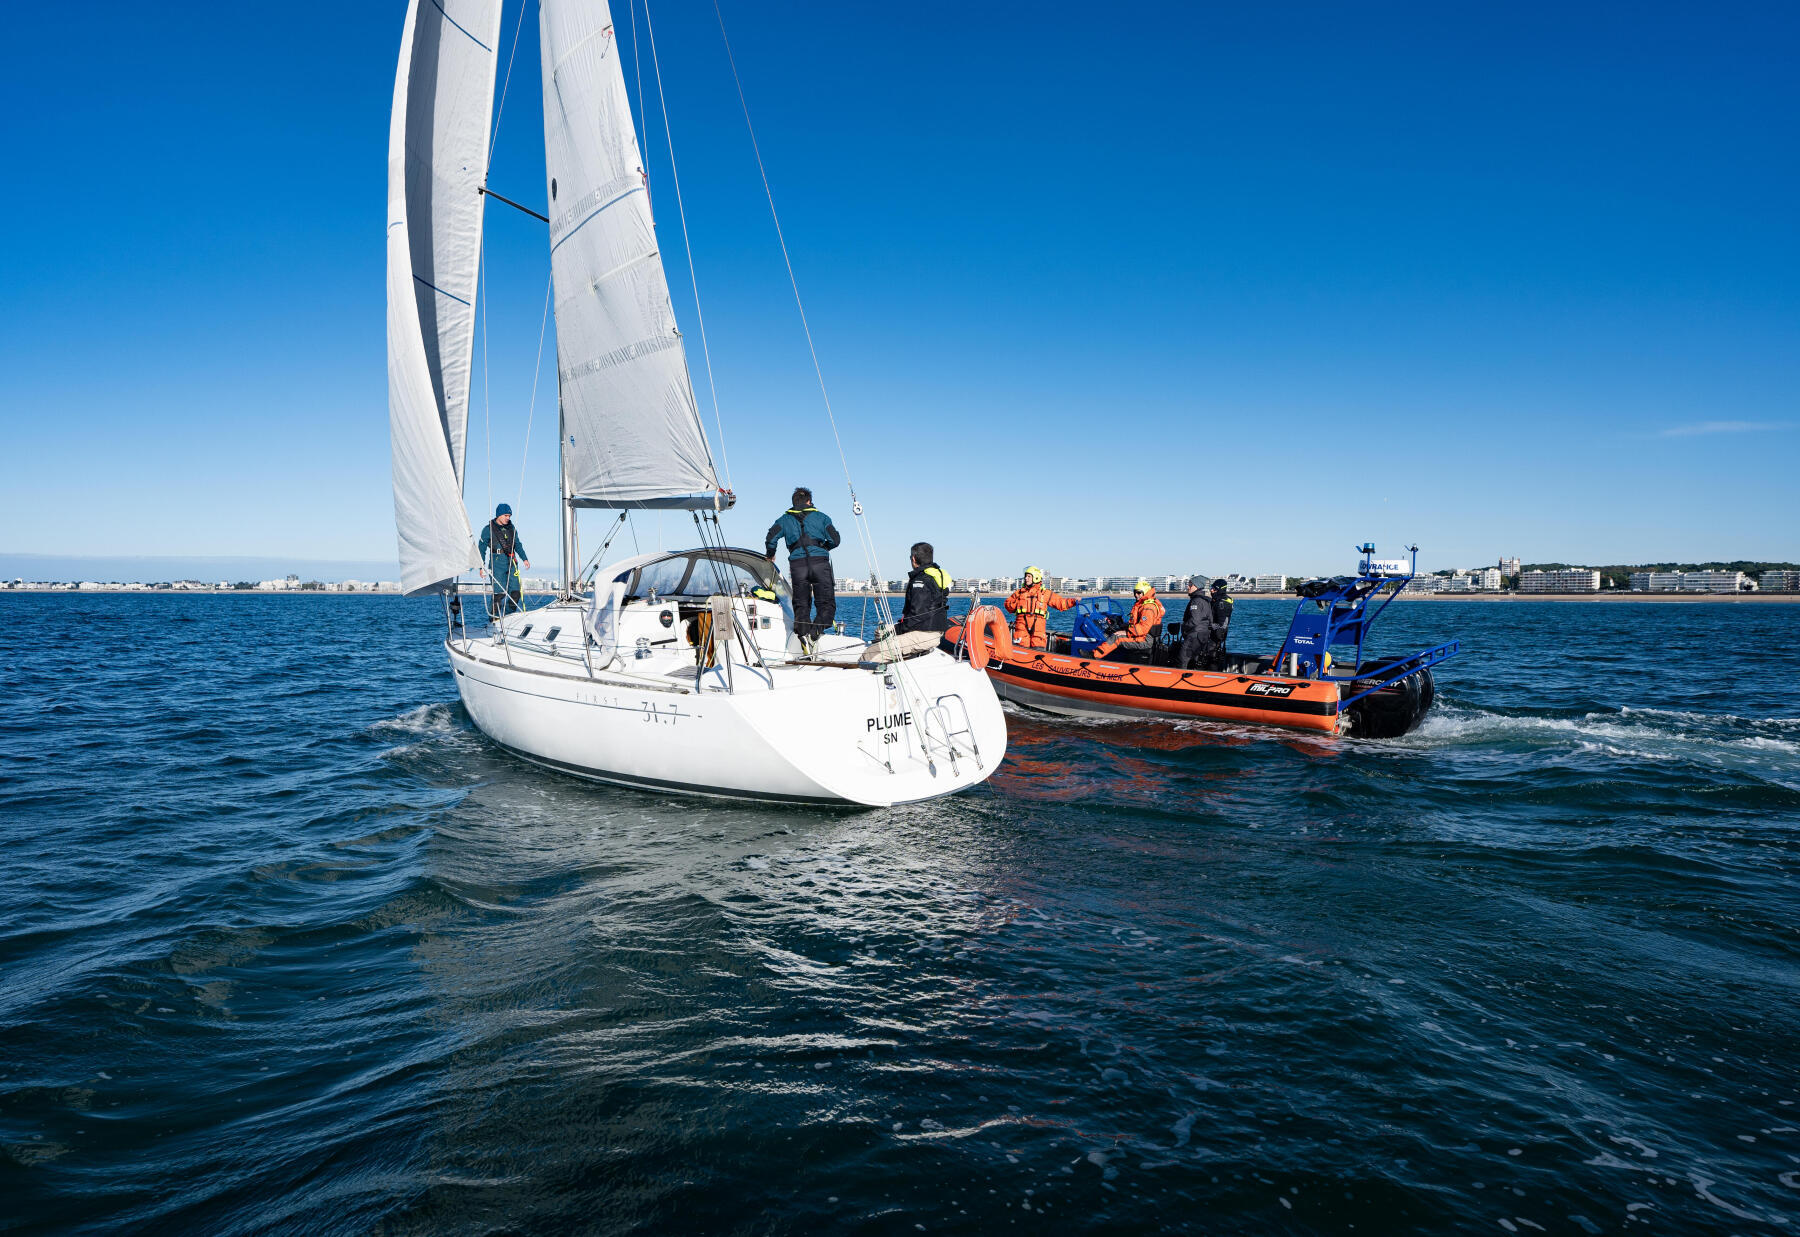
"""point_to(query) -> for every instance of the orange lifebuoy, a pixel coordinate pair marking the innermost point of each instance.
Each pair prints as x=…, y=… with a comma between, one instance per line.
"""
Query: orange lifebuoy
x=989, y=622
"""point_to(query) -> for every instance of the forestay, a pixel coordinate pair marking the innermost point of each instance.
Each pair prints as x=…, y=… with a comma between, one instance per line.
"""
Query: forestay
x=631, y=431
x=437, y=160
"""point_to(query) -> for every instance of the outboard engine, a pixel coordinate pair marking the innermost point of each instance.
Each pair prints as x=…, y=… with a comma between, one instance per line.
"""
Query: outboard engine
x=1381, y=699
x=1393, y=710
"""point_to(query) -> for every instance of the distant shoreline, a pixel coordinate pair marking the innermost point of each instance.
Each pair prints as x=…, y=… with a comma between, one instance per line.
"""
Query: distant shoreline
x=1610, y=595
x=1619, y=595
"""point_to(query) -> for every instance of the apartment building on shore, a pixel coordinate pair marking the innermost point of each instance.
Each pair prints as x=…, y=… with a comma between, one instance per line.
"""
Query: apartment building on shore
x=1561, y=580
x=1694, y=581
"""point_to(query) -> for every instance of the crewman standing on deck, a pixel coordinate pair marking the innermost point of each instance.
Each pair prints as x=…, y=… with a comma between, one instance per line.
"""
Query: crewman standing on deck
x=811, y=537
x=505, y=554
x=1032, y=602
x=1140, y=628
x=1204, y=627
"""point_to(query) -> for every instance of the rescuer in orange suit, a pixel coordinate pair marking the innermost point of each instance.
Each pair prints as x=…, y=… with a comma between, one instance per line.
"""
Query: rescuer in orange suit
x=1031, y=602
x=1146, y=617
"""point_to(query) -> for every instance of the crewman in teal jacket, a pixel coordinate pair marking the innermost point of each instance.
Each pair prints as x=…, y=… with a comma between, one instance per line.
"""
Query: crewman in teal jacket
x=505, y=554
x=810, y=537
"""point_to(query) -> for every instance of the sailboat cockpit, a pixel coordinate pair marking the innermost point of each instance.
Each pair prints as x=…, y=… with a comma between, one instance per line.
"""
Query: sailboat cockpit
x=687, y=602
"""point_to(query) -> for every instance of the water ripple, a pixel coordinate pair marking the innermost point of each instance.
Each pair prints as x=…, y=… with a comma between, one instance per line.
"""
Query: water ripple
x=287, y=945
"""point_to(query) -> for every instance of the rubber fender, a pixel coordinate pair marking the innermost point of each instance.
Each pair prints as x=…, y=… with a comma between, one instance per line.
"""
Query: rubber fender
x=987, y=621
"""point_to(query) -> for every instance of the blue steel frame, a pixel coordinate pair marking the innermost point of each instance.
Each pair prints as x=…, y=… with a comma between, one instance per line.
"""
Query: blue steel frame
x=1337, y=614
x=1089, y=631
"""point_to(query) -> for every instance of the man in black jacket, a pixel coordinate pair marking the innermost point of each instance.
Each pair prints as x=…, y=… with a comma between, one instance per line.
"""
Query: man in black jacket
x=1204, y=626
x=927, y=594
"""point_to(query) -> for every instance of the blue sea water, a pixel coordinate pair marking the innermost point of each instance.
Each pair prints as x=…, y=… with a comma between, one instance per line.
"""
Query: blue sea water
x=286, y=946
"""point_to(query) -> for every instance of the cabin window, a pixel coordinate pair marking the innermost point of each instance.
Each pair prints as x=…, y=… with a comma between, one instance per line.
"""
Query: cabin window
x=550, y=636
x=525, y=630
x=663, y=579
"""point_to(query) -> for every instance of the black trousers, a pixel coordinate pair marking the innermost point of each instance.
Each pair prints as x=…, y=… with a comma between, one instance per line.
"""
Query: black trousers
x=815, y=595
x=1198, y=652
x=505, y=601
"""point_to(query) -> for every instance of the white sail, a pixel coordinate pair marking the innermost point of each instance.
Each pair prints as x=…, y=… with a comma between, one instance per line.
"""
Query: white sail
x=631, y=432
x=437, y=161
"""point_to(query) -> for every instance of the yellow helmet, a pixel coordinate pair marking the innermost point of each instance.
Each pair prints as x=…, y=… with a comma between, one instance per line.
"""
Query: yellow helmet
x=1034, y=573
x=1142, y=586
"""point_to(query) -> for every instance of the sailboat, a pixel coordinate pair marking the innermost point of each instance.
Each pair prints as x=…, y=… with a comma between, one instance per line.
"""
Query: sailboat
x=678, y=672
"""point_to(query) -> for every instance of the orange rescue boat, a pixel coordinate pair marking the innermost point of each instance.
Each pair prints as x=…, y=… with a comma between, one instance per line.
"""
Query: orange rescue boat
x=1059, y=682
x=1381, y=698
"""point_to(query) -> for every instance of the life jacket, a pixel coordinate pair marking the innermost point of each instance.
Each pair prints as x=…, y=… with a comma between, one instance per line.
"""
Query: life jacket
x=502, y=538
x=800, y=519
x=805, y=541
x=1145, y=615
x=1033, y=599
x=930, y=611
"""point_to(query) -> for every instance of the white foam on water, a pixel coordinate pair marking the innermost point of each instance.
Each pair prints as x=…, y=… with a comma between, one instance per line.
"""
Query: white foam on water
x=1703, y=1187
x=1649, y=735
x=427, y=719
x=1778, y=724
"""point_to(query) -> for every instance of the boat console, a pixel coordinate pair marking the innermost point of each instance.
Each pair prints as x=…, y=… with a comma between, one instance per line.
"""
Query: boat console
x=1384, y=698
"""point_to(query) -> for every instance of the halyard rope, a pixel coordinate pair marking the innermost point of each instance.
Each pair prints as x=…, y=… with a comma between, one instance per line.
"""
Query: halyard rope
x=687, y=248
x=536, y=369
x=862, y=525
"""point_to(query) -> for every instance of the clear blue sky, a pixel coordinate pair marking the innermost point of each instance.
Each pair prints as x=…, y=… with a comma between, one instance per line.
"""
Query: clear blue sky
x=1137, y=289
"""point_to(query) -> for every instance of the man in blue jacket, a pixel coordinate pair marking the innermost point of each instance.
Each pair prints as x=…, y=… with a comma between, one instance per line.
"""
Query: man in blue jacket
x=505, y=553
x=810, y=539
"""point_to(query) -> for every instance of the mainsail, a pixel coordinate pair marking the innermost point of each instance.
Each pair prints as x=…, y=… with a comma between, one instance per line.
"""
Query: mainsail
x=631, y=431
x=437, y=162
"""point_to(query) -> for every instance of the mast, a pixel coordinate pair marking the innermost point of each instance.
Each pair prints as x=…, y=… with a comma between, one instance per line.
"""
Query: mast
x=562, y=494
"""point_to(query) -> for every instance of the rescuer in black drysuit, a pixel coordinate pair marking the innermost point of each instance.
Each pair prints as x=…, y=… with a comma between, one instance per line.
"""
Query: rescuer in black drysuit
x=811, y=537
x=927, y=594
x=1204, y=626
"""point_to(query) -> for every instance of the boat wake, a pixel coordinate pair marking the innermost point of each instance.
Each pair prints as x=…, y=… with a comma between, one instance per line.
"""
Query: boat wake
x=427, y=719
x=1721, y=740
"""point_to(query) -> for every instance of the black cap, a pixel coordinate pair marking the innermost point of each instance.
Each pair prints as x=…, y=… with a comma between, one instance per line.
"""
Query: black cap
x=1218, y=586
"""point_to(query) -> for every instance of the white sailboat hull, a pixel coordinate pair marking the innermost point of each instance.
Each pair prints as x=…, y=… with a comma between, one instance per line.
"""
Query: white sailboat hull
x=837, y=735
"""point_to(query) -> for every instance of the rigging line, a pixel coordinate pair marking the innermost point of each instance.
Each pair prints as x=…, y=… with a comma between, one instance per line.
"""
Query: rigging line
x=781, y=239
x=687, y=248
x=637, y=68
x=536, y=369
x=818, y=371
x=500, y=111
x=487, y=411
